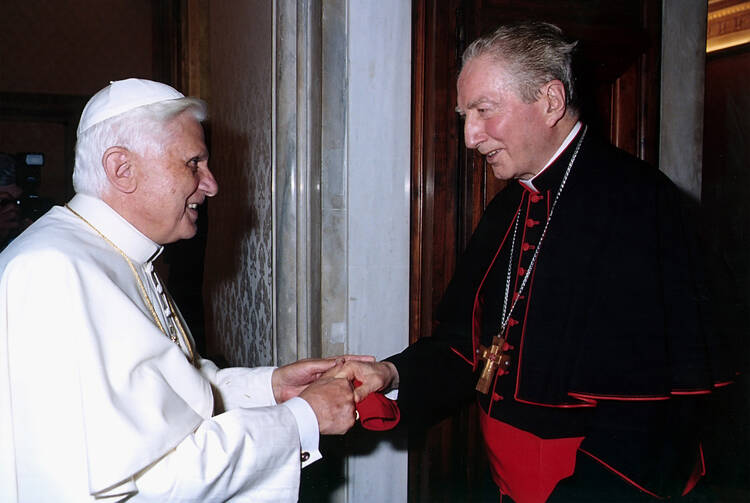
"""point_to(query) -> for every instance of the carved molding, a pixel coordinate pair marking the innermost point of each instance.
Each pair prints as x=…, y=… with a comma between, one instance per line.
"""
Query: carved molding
x=728, y=24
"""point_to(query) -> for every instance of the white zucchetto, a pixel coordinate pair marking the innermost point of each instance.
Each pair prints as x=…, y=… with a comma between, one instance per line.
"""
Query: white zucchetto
x=122, y=96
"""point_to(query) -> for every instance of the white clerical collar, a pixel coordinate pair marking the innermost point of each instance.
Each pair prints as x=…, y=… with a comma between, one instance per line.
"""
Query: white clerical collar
x=529, y=184
x=118, y=230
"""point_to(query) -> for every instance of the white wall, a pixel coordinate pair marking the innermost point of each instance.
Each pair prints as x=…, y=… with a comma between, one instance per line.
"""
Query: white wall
x=378, y=151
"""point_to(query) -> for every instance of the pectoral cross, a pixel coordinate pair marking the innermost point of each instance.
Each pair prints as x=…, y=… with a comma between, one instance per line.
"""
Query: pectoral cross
x=495, y=359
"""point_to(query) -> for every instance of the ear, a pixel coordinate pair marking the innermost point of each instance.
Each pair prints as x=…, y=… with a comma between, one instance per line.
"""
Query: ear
x=553, y=96
x=117, y=162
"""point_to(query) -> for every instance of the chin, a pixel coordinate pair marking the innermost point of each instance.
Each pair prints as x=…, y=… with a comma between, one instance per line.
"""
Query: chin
x=190, y=234
x=501, y=173
x=179, y=236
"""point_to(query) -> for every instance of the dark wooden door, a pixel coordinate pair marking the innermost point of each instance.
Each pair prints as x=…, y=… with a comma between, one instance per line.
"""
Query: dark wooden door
x=620, y=48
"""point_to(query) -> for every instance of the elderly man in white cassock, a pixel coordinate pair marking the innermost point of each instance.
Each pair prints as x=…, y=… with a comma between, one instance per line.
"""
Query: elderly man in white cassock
x=102, y=397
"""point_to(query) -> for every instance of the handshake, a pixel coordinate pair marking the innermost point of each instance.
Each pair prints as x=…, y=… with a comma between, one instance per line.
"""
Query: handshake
x=328, y=385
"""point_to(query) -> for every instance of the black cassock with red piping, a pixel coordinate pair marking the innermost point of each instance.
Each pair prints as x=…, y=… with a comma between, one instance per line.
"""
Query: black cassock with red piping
x=611, y=339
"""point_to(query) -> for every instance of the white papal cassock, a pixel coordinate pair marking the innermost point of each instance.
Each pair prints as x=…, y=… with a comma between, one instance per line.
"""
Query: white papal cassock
x=96, y=402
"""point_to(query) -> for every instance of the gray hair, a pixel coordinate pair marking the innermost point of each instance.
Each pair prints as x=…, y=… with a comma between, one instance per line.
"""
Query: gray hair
x=535, y=53
x=140, y=130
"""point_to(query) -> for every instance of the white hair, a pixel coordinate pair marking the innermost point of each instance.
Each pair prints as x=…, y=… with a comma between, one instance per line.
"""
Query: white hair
x=535, y=53
x=140, y=130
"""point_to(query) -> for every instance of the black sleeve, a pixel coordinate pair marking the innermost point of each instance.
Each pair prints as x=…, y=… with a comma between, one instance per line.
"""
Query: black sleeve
x=436, y=373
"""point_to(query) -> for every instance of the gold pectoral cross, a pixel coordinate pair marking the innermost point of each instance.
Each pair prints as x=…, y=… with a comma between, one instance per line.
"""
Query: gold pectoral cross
x=495, y=358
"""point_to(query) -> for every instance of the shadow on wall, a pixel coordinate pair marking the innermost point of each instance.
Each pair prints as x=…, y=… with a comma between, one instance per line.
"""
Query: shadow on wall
x=235, y=259
x=323, y=479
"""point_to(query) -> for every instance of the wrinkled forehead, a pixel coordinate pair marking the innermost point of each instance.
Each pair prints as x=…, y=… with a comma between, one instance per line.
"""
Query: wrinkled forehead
x=183, y=135
x=482, y=76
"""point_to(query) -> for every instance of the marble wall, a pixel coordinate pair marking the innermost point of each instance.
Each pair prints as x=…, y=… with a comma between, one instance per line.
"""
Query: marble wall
x=341, y=227
x=683, y=68
x=378, y=159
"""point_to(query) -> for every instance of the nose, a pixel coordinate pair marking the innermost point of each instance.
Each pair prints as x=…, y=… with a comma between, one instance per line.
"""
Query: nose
x=208, y=183
x=473, y=131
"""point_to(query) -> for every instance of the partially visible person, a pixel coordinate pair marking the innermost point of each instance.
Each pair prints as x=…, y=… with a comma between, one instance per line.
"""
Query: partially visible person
x=10, y=194
x=102, y=395
x=577, y=317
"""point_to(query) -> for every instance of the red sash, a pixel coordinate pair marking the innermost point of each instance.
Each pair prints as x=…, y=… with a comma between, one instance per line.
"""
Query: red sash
x=525, y=467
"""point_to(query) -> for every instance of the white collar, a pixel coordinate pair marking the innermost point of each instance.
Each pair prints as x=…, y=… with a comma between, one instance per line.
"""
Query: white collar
x=118, y=230
x=529, y=184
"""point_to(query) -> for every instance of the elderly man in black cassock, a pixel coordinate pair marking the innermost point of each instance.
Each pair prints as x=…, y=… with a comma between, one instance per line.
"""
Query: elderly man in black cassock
x=575, y=317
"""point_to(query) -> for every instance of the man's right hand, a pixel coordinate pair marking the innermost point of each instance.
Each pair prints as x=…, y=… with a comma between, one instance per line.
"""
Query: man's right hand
x=373, y=376
x=332, y=400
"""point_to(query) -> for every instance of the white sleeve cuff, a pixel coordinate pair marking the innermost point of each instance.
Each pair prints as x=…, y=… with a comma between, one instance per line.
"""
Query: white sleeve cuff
x=243, y=387
x=307, y=424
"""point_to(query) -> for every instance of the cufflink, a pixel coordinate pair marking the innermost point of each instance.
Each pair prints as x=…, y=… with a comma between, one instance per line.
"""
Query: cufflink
x=304, y=456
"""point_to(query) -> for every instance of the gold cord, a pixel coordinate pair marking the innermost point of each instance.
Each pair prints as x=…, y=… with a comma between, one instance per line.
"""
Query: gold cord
x=144, y=294
x=180, y=327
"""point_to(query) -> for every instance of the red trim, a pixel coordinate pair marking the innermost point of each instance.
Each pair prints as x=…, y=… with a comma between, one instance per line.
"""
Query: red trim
x=494, y=393
x=698, y=473
x=475, y=330
x=462, y=356
x=523, y=334
x=722, y=384
x=697, y=392
x=620, y=474
x=586, y=403
x=528, y=303
x=625, y=398
x=591, y=400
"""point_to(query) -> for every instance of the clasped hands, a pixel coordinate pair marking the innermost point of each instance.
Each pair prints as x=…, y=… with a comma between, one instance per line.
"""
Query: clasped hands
x=328, y=385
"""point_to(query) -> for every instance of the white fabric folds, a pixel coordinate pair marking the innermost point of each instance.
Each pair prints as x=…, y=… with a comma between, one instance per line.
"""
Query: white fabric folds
x=95, y=401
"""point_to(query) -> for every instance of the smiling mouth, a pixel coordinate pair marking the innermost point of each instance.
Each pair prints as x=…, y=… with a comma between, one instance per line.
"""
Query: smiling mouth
x=490, y=155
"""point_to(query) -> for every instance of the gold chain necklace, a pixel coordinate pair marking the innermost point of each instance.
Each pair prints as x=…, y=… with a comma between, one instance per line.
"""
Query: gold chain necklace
x=144, y=294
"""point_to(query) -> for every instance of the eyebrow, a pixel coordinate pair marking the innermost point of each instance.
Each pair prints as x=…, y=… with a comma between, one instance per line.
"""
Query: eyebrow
x=199, y=157
x=474, y=104
x=481, y=99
